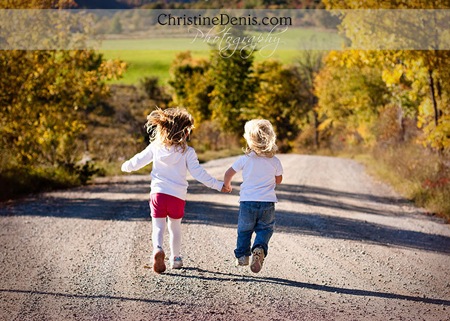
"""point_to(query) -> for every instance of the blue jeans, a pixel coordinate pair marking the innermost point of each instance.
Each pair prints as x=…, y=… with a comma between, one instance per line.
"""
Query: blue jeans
x=258, y=217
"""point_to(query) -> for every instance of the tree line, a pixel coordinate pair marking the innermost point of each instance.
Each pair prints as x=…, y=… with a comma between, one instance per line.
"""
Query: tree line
x=232, y=90
x=375, y=99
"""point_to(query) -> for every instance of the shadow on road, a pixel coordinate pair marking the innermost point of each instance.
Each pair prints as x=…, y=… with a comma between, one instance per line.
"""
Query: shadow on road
x=214, y=213
x=80, y=296
x=227, y=277
x=297, y=190
x=323, y=226
x=221, y=277
x=323, y=198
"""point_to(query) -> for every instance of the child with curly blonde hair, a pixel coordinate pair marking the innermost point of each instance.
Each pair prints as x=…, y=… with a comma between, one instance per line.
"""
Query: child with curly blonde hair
x=261, y=172
x=168, y=150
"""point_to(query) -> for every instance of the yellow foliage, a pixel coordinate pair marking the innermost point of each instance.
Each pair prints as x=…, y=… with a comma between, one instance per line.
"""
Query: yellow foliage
x=392, y=77
x=351, y=94
x=325, y=124
x=365, y=131
x=426, y=109
x=409, y=76
x=42, y=119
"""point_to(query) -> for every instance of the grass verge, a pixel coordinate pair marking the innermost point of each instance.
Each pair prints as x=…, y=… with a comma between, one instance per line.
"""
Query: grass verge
x=17, y=182
x=114, y=169
x=216, y=154
x=423, y=178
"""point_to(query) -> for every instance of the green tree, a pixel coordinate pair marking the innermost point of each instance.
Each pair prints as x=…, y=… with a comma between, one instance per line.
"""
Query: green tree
x=309, y=65
x=279, y=99
x=191, y=85
x=233, y=90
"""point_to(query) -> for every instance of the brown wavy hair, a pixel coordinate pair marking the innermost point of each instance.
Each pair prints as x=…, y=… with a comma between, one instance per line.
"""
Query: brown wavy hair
x=260, y=137
x=170, y=127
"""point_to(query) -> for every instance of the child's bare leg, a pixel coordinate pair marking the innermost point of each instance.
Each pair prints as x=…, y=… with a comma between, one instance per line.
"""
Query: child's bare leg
x=159, y=227
x=175, y=236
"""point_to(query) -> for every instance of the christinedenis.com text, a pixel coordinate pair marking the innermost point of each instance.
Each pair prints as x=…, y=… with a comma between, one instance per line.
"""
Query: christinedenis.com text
x=222, y=20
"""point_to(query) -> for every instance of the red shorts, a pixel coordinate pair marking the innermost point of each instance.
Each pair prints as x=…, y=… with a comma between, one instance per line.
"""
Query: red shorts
x=163, y=205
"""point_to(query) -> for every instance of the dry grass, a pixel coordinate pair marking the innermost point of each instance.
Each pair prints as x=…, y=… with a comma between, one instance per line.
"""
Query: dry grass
x=416, y=173
x=215, y=154
x=17, y=182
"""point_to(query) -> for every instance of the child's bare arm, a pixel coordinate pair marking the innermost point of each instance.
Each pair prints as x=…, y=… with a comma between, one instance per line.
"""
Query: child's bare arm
x=278, y=179
x=227, y=178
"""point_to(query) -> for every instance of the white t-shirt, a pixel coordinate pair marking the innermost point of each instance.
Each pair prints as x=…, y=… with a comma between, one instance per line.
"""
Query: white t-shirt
x=259, y=174
x=170, y=169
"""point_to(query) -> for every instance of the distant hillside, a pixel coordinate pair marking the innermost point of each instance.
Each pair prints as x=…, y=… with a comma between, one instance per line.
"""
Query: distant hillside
x=123, y=4
x=197, y=4
x=102, y=4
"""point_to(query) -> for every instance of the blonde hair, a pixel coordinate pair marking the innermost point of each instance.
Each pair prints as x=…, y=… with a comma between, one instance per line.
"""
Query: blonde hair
x=170, y=127
x=260, y=138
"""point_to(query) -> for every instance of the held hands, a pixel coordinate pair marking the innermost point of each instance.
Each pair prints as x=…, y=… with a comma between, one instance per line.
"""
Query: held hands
x=226, y=188
x=227, y=180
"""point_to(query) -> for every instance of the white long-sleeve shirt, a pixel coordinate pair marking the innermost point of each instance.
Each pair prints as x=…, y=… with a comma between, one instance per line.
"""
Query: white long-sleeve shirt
x=170, y=169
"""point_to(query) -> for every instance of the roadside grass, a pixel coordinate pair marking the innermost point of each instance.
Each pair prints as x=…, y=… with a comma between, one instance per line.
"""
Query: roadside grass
x=17, y=182
x=114, y=169
x=216, y=154
x=417, y=174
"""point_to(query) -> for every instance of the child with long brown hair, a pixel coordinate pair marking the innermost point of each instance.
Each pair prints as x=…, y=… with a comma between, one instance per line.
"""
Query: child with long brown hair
x=168, y=150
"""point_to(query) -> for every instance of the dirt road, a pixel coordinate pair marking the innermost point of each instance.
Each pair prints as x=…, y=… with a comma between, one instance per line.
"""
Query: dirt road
x=344, y=248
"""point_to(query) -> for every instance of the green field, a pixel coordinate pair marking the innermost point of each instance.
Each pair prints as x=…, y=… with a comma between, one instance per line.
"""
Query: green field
x=153, y=57
x=146, y=63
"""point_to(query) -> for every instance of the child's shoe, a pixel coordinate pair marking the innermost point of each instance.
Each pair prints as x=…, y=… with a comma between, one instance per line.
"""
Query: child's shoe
x=242, y=261
x=257, y=259
x=176, y=262
x=158, y=260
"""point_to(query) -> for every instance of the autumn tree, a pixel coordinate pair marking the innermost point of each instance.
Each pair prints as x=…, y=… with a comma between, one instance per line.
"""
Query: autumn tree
x=351, y=95
x=44, y=97
x=191, y=85
x=426, y=69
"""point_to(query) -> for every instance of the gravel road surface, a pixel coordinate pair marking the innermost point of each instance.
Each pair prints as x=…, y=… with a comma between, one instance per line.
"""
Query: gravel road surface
x=345, y=248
